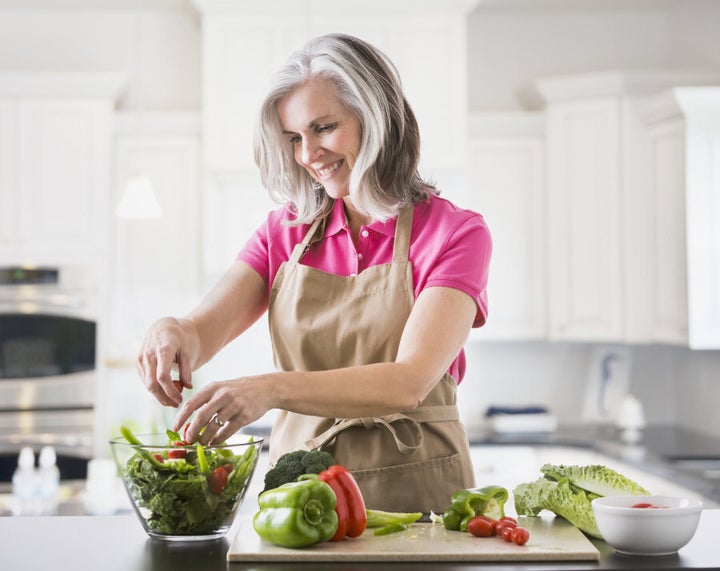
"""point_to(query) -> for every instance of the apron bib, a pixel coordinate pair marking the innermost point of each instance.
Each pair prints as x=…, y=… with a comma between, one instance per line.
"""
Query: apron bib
x=411, y=461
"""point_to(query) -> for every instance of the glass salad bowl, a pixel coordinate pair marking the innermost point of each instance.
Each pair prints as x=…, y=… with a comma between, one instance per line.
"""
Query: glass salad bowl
x=185, y=492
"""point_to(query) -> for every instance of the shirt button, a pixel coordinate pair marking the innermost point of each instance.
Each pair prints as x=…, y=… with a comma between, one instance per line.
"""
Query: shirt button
x=352, y=275
x=360, y=256
x=364, y=233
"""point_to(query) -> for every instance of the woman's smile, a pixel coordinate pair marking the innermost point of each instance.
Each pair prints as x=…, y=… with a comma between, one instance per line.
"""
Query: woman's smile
x=327, y=172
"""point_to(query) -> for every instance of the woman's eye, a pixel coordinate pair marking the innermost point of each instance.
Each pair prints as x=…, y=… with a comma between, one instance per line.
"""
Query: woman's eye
x=326, y=128
x=295, y=139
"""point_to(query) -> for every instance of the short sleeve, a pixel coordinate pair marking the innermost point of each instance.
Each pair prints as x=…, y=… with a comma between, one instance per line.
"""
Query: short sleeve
x=464, y=263
x=255, y=253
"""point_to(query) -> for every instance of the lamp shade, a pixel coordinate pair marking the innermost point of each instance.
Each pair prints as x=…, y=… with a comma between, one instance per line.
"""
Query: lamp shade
x=138, y=200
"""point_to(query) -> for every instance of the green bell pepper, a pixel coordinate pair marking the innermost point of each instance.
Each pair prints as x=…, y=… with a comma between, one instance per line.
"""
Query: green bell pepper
x=297, y=514
x=466, y=504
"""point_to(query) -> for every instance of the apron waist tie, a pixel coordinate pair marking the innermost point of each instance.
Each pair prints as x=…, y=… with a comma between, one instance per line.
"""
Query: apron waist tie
x=430, y=413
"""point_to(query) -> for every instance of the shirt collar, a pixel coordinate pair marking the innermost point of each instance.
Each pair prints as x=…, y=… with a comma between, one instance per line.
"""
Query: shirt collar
x=338, y=222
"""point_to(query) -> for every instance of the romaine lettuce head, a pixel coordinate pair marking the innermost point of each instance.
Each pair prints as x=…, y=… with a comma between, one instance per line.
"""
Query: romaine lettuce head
x=562, y=498
x=597, y=479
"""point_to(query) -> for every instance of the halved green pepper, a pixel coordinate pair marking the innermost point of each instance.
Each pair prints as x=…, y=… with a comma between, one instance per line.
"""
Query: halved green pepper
x=466, y=504
x=297, y=514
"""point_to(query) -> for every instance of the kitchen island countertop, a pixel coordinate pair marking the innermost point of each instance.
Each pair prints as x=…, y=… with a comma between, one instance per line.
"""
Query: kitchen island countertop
x=118, y=543
x=660, y=450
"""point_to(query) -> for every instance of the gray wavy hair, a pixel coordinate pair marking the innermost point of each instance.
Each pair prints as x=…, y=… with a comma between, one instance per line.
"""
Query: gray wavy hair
x=385, y=175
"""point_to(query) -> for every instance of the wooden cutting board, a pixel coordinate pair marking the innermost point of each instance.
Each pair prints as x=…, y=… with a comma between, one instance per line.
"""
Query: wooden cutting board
x=551, y=539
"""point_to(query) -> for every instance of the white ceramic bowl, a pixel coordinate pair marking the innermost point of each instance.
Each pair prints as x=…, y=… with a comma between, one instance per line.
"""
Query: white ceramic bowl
x=647, y=531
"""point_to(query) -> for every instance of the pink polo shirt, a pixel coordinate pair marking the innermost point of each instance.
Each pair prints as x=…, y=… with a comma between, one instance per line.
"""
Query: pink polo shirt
x=449, y=247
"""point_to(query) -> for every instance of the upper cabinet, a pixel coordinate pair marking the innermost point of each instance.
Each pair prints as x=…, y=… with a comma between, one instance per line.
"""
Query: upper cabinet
x=506, y=184
x=684, y=185
x=55, y=158
x=616, y=231
x=155, y=267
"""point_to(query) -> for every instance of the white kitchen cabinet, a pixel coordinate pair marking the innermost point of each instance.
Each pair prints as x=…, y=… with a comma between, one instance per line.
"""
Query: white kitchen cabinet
x=156, y=267
x=506, y=185
x=600, y=231
x=55, y=140
x=684, y=170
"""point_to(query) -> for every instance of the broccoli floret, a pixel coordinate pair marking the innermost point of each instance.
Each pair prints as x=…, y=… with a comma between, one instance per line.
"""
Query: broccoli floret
x=316, y=461
x=292, y=465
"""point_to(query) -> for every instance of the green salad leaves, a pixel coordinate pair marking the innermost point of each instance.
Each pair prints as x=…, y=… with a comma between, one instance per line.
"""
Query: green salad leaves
x=568, y=491
x=180, y=496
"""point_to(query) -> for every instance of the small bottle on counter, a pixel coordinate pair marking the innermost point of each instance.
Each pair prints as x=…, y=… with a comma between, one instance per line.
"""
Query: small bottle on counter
x=24, y=485
x=48, y=481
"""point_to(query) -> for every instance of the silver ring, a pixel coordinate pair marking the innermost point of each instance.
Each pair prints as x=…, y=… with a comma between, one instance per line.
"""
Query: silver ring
x=216, y=420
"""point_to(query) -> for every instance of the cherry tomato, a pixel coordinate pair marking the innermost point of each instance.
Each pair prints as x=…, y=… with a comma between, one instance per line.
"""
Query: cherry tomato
x=519, y=535
x=481, y=526
x=179, y=451
x=644, y=505
x=509, y=518
x=228, y=467
x=159, y=458
x=505, y=532
x=493, y=522
x=218, y=480
x=502, y=526
x=184, y=434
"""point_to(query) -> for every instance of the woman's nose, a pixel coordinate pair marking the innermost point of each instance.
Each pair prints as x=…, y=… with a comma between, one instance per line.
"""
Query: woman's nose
x=310, y=150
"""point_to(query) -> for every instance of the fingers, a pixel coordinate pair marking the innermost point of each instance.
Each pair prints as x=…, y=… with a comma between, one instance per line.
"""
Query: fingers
x=204, y=404
x=146, y=367
x=164, y=379
x=218, y=412
x=185, y=373
x=162, y=348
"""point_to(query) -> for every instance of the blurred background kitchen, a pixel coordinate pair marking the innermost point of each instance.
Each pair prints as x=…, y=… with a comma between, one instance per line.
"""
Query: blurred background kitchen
x=586, y=131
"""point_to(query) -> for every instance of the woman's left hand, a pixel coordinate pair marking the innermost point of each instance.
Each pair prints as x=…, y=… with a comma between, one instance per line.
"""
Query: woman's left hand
x=223, y=408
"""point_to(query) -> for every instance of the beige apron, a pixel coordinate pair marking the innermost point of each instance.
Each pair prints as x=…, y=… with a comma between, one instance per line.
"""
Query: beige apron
x=412, y=461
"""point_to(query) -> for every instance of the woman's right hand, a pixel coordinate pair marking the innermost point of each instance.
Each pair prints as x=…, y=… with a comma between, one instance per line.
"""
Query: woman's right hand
x=167, y=346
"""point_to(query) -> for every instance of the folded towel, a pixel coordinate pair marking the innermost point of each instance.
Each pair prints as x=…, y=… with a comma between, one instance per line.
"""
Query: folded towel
x=496, y=410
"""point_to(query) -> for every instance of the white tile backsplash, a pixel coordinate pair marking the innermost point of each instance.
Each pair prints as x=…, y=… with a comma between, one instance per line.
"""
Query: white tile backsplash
x=675, y=385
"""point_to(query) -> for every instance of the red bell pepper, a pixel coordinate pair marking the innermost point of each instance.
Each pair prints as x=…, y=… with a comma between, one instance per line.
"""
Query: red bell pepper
x=350, y=508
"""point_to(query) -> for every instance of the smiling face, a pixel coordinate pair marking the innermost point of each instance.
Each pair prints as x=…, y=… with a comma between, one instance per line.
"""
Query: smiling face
x=324, y=134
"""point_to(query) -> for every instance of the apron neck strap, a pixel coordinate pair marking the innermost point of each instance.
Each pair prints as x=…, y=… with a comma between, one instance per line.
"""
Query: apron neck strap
x=403, y=228
x=301, y=247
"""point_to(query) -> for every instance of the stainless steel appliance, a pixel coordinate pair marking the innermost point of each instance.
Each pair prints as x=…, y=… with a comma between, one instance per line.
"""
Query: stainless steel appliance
x=48, y=356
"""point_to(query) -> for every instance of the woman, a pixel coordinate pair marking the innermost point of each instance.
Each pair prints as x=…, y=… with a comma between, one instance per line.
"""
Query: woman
x=371, y=280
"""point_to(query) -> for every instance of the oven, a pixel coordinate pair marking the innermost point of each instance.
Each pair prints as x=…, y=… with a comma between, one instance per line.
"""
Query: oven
x=48, y=356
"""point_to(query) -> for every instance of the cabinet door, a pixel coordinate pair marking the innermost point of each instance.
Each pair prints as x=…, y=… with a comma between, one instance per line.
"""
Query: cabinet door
x=585, y=253
x=240, y=52
x=668, y=287
x=506, y=187
x=62, y=183
x=156, y=269
x=7, y=173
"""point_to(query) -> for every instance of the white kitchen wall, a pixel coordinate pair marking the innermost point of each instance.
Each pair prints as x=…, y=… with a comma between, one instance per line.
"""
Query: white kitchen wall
x=158, y=47
x=557, y=375
x=511, y=42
